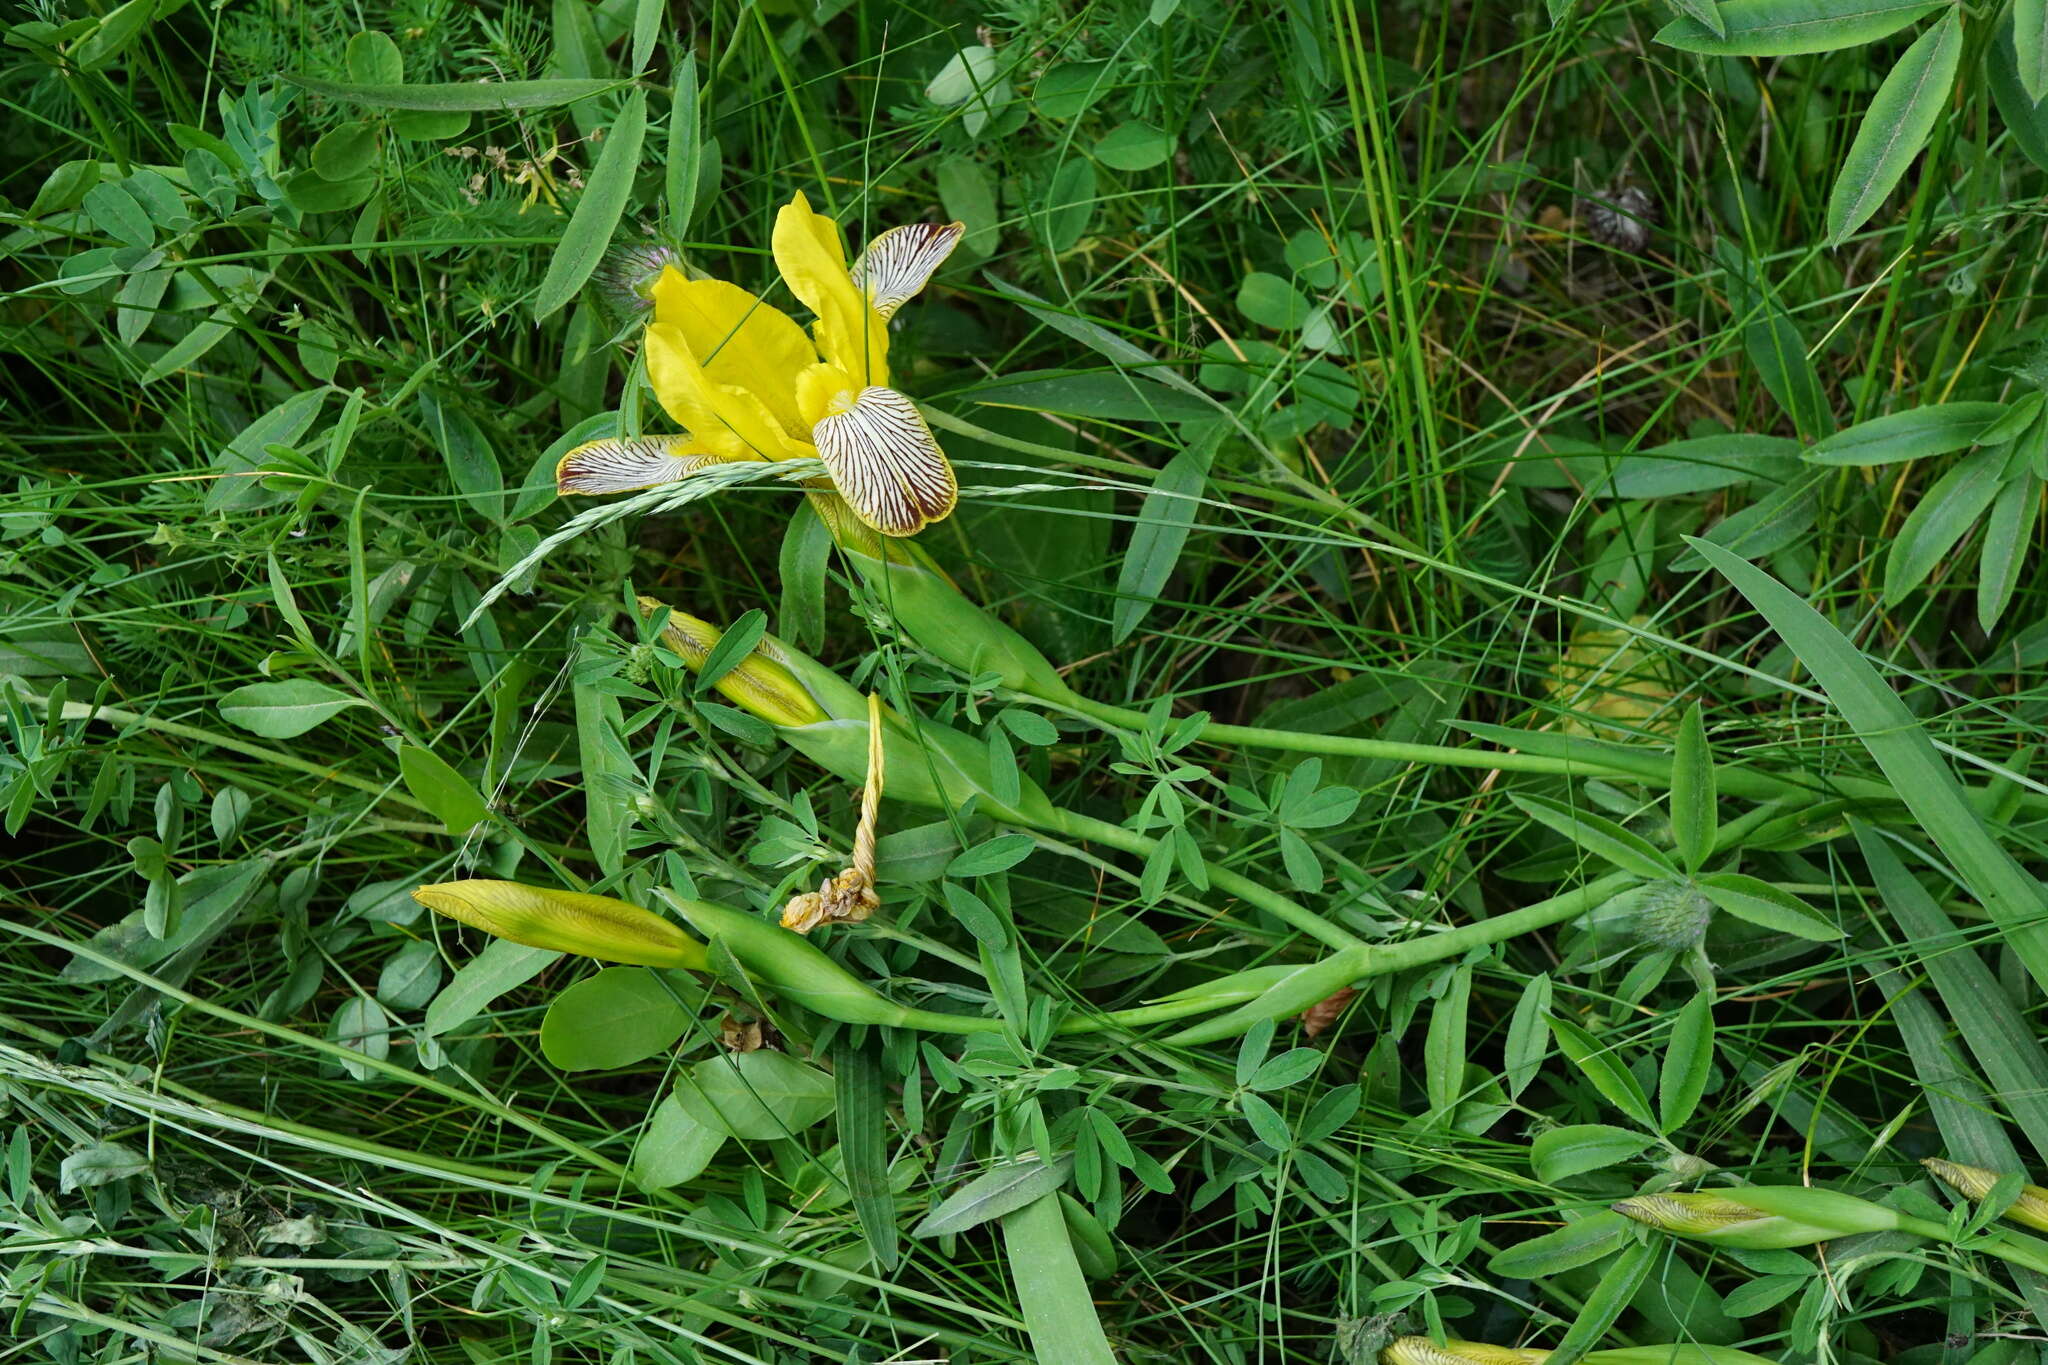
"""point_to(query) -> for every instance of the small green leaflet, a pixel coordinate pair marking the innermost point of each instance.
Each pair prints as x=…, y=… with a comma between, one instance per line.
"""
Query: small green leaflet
x=281, y=710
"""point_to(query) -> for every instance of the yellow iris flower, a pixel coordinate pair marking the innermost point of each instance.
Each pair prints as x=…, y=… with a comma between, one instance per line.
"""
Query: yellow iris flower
x=746, y=383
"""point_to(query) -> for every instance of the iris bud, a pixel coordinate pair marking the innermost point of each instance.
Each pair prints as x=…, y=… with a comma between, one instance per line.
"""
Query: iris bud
x=566, y=922
x=1762, y=1217
x=758, y=684
x=1974, y=1182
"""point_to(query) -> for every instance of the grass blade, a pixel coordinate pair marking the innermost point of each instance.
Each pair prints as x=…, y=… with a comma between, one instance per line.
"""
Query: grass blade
x=1050, y=1287
x=458, y=95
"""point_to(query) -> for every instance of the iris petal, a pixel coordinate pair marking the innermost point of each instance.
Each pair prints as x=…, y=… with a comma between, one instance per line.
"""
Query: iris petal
x=849, y=333
x=738, y=340
x=886, y=465
x=620, y=466
x=901, y=261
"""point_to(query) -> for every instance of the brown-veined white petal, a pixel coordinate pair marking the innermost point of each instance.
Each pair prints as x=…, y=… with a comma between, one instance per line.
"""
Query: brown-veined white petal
x=886, y=465
x=620, y=466
x=902, y=261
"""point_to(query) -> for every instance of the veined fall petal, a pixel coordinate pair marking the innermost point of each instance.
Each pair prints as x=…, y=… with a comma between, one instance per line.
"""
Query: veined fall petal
x=898, y=264
x=615, y=465
x=886, y=465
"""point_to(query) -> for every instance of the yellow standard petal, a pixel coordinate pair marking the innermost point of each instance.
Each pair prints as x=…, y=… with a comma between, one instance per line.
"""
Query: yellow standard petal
x=850, y=334
x=900, y=262
x=566, y=922
x=739, y=341
x=883, y=460
x=620, y=466
x=725, y=418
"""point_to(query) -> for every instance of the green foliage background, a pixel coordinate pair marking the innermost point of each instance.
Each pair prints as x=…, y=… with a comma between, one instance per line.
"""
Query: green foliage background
x=1359, y=371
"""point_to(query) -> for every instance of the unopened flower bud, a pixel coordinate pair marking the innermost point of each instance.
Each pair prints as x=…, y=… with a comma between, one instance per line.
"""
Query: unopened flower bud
x=758, y=684
x=566, y=922
x=1423, y=1351
x=1762, y=1217
x=627, y=275
x=1974, y=1182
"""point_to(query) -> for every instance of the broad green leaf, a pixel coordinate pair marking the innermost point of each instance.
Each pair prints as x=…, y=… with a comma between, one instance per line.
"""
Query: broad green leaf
x=1760, y=903
x=597, y=210
x=1528, y=1040
x=1781, y=28
x=1113, y=397
x=2008, y=539
x=472, y=463
x=1560, y=1153
x=121, y=27
x=100, y=1164
x=117, y=213
x=1577, y=1243
x=993, y=1194
x=672, y=1148
x=806, y=553
x=1134, y=146
x=1125, y=354
x=967, y=191
x=1693, y=818
x=1068, y=208
x=1913, y=434
x=863, y=1123
x=1067, y=89
x=1598, y=835
x=999, y=854
x=1767, y=525
x=1688, y=1058
x=1272, y=302
x=2021, y=112
x=610, y=778
x=1600, y=1066
x=374, y=59
x=210, y=900
x=410, y=976
x=647, y=17
x=1944, y=514
x=447, y=794
x=1059, y=1312
x=281, y=710
x=733, y=647
x=346, y=152
x=502, y=966
x=756, y=1096
x=456, y=96
x=1701, y=465
x=362, y=1026
x=1895, y=126
x=1901, y=747
x=2030, y=46
x=1163, y=523
x=619, y=1016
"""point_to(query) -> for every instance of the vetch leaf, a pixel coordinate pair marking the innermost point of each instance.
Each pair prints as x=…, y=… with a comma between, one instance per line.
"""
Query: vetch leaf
x=1443, y=1049
x=732, y=648
x=1134, y=146
x=1782, y=28
x=2008, y=537
x=1598, y=836
x=1760, y=903
x=617, y=1017
x=993, y=1194
x=1528, y=1035
x=1599, y=1065
x=502, y=966
x=1896, y=126
x=1610, y=1298
x=1688, y=1058
x=1693, y=819
x=281, y=710
x=684, y=163
x=672, y=1148
x=1059, y=1312
x=1560, y=1153
x=1571, y=1246
x=999, y=854
x=100, y=1164
x=597, y=210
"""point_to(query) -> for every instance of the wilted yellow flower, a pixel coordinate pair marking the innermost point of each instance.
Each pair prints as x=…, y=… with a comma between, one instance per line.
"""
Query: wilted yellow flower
x=1761, y=1217
x=1423, y=1351
x=1609, y=683
x=746, y=383
x=1974, y=1182
x=565, y=921
x=758, y=683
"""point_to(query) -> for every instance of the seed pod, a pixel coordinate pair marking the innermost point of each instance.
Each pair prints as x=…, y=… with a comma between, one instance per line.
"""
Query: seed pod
x=758, y=684
x=938, y=616
x=566, y=922
x=791, y=963
x=1762, y=1217
x=1974, y=1182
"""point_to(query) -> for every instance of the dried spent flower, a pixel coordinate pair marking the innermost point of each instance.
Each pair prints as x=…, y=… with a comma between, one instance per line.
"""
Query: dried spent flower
x=1620, y=218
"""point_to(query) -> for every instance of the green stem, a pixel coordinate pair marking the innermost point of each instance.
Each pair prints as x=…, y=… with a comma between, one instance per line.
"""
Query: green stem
x=1083, y=827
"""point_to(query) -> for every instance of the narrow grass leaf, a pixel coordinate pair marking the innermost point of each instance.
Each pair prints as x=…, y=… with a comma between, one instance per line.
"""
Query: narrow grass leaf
x=1896, y=126
x=1688, y=1059
x=1783, y=28
x=597, y=211
x=1901, y=747
x=1059, y=1313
